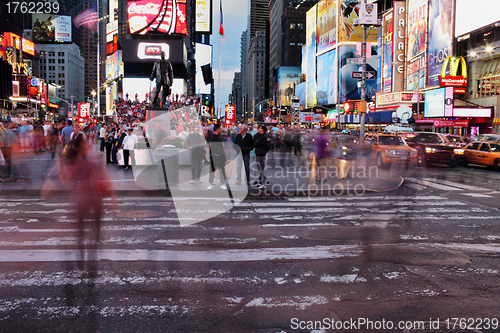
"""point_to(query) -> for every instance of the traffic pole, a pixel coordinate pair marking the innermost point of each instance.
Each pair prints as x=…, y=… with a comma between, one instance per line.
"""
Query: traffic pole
x=363, y=84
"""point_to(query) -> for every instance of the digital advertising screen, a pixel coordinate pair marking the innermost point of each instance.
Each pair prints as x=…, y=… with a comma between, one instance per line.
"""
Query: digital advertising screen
x=326, y=25
x=51, y=28
x=327, y=78
x=348, y=12
x=348, y=87
x=440, y=38
x=417, y=27
x=288, y=77
x=387, y=67
x=147, y=50
x=167, y=16
x=434, y=103
x=311, y=56
x=472, y=16
x=203, y=56
x=300, y=92
x=203, y=16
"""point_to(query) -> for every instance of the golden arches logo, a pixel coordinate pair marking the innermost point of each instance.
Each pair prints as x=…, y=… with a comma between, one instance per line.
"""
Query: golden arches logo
x=453, y=80
x=454, y=63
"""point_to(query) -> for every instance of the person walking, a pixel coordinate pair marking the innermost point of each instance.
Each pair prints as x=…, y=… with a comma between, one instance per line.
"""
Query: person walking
x=119, y=143
x=66, y=133
x=322, y=156
x=7, y=140
x=261, y=145
x=108, y=143
x=128, y=146
x=195, y=144
x=102, y=138
x=243, y=144
x=217, y=158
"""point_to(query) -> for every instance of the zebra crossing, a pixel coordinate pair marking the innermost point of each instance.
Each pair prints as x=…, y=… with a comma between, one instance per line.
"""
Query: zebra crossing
x=429, y=183
x=292, y=255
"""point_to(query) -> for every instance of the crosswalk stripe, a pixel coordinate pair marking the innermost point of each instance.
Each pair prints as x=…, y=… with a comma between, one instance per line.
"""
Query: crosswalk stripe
x=431, y=184
x=290, y=253
x=454, y=184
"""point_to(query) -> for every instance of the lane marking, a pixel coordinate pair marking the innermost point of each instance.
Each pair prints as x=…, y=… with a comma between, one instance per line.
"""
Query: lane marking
x=293, y=253
x=463, y=186
x=477, y=195
x=431, y=184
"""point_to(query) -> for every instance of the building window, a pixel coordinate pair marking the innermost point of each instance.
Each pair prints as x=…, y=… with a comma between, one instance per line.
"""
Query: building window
x=300, y=26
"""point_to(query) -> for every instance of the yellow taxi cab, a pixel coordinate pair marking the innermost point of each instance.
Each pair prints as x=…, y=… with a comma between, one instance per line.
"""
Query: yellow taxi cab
x=484, y=153
x=390, y=148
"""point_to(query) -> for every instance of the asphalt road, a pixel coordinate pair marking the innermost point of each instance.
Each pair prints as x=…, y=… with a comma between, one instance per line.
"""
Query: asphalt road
x=425, y=251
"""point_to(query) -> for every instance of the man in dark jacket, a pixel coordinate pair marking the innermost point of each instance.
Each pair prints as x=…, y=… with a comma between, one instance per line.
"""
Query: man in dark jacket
x=118, y=144
x=261, y=145
x=217, y=158
x=243, y=143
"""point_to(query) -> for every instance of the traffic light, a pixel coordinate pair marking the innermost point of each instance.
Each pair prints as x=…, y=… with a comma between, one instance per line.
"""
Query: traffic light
x=349, y=107
x=205, y=99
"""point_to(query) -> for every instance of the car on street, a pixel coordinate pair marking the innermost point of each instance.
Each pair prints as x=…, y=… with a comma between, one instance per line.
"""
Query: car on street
x=390, y=148
x=436, y=148
x=456, y=140
x=483, y=153
x=344, y=146
x=488, y=137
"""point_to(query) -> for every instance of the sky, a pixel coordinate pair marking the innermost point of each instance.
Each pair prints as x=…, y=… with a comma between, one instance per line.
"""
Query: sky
x=235, y=22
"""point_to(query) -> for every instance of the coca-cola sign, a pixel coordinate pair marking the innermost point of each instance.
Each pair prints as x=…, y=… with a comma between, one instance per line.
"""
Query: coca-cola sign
x=167, y=16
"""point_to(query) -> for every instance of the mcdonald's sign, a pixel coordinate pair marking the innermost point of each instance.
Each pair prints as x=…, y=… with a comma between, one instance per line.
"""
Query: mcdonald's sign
x=453, y=80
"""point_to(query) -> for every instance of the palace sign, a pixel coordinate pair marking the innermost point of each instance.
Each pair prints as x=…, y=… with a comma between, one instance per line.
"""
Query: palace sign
x=453, y=80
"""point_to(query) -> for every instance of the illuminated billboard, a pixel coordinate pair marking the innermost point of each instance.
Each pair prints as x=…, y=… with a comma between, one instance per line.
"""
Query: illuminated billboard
x=288, y=77
x=114, y=66
x=438, y=103
x=166, y=16
x=387, y=66
x=472, y=16
x=417, y=27
x=51, y=28
x=203, y=57
x=149, y=50
x=440, y=38
x=327, y=25
x=348, y=12
x=327, y=78
x=310, y=56
x=204, y=16
x=347, y=86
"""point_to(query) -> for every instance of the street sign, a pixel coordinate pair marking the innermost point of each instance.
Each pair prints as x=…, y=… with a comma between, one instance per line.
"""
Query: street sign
x=359, y=75
x=54, y=100
x=357, y=61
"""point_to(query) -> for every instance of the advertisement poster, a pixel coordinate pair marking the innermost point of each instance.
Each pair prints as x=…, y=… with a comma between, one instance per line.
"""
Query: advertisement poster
x=440, y=38
x=348, y=87
x=83, y=113
x=143, y=16
x=327, y=78
x=417, y=27
x=288, y=77
x=51, y=28
x=434, y=103
x=348, y=12
x=415, y=73
x=300, y=92
x=388, y=33
x=111, y=95
x=204, y=16
x=311, y=56
x=327, y=25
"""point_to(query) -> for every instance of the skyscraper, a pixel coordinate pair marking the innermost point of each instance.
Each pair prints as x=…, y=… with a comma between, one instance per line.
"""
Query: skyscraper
x=259, y=14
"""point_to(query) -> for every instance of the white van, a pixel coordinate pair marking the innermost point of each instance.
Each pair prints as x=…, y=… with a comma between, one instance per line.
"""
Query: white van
x=398, y=129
